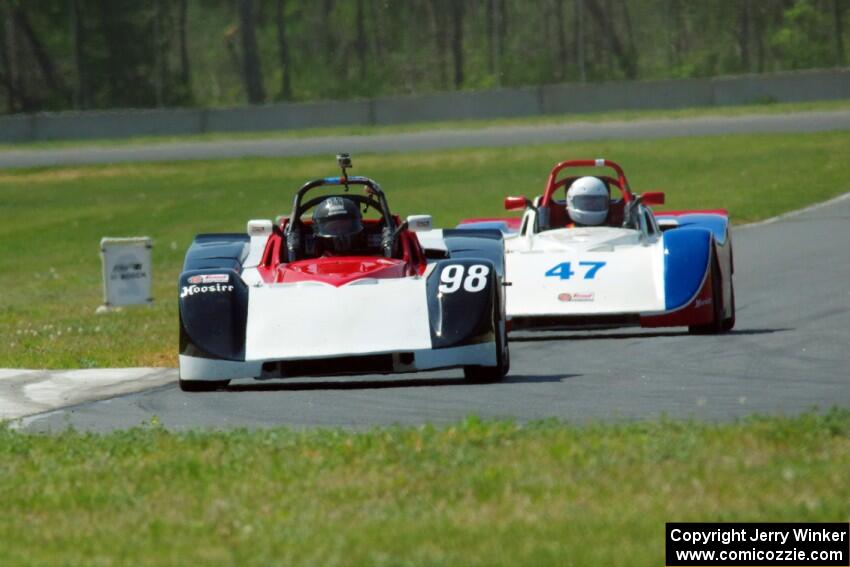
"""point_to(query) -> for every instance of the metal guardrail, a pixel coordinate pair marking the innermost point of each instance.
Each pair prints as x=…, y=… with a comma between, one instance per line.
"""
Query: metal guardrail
x=798, y=86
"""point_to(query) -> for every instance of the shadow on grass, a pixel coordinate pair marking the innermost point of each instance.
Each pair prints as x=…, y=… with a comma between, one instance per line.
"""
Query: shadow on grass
x=346, y=383
x=592, y=336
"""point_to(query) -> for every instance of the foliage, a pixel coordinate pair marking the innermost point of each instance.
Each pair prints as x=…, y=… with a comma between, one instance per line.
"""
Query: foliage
x=60, y=54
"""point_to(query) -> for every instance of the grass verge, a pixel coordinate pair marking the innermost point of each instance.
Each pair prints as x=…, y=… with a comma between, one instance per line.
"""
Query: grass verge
x=548, y=119
x=476, y=493
x=52, y=219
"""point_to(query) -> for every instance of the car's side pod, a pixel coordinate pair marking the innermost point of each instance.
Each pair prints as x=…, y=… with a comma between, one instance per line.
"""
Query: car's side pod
x=687, y=254
x=213, y=299
x=464, y=302
x=478, y=243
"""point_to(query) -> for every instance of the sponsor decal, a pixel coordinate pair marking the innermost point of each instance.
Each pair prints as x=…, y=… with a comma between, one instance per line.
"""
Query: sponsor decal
x=128, y=271
x=195, y=289
x=585, y=296
x=336, y=206
x=209, y=278
x=703, y=303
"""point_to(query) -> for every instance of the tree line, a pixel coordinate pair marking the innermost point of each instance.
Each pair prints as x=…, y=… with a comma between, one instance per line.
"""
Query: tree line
x=94, y=54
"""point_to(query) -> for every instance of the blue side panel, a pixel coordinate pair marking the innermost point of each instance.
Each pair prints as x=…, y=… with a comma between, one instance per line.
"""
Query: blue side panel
x=217, y=251
x=686, y=255
x=717, y=224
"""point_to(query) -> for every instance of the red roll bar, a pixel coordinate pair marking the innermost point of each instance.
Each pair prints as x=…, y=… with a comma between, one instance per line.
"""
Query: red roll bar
x=552, y=184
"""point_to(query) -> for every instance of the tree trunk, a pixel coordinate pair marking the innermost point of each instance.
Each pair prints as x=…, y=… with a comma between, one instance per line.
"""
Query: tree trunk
x=561, y=34
x=42, y=57
x=438, y=29
x=328, y=37
x=377, y=17
x=6, y=59
x=491, y=35
x=183, y=24
x=283, y=53
x=604, y=25
x=630, y=32
x=838, y=14
x=457, y=41
x=80, y=95
x=578, y=21
x=758, y=30
x=158, y=54
x=744, y=34
x=361, y=45
x=250, y=54
x=115, y=75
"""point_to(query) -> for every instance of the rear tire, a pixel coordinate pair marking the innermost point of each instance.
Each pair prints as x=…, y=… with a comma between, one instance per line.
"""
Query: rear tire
x=203, y=385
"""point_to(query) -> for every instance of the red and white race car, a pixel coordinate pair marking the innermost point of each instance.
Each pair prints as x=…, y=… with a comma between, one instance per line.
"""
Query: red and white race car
x=341, y=294
x=635, y=267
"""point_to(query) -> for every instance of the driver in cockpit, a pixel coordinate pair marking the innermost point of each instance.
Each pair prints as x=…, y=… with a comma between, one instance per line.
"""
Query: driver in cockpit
x=338, y=227
x=587, y=202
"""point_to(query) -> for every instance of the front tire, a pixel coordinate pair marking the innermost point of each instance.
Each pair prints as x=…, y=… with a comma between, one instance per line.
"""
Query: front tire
x=729, y=322
x=203, y=385
x=492, y=374
x=718, y=324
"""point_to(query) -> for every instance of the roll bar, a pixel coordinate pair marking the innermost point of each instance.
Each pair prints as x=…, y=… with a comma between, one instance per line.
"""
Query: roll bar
x=372, y=189
x=551, y=184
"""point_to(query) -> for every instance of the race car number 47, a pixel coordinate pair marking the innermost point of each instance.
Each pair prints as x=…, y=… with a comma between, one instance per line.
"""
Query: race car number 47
x=452, y=278
x=564, y=271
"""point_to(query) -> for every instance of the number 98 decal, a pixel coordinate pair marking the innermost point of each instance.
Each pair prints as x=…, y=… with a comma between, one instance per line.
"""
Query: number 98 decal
x=452, y=278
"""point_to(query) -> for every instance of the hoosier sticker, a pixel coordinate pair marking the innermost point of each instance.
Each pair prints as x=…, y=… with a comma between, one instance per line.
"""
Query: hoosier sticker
x=195, y=289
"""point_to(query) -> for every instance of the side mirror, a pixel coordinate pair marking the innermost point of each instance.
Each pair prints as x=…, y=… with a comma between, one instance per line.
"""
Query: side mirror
x=652, y=198
x=259, y=227
x=419, y=223
x=516, y=203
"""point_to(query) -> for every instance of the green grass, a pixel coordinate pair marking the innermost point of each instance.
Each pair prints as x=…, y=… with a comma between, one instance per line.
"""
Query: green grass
x=476, y=493
x=52, y=220
x=608, y=116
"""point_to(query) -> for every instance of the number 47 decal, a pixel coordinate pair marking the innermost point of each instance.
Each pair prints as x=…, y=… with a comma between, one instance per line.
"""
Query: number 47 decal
x=564, y=271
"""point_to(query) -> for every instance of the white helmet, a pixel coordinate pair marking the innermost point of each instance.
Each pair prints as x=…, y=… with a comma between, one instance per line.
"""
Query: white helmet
x=587, y=201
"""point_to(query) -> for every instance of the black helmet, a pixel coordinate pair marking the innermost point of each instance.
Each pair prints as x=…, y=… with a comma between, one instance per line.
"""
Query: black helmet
x=338, y=225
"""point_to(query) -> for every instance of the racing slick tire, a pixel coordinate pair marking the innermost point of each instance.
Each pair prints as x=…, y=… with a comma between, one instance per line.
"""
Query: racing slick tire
x=491, y=374
x=203, y=385
x=729, y=322
x=718, y=324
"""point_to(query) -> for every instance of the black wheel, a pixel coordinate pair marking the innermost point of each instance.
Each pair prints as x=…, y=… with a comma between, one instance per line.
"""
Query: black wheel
x=729, y=321
x=491, y=374
x=717, y=321
x=203, y=385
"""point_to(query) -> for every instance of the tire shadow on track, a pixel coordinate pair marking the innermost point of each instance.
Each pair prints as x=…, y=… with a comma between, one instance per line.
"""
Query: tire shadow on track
x=601, y=335
x=279, y=386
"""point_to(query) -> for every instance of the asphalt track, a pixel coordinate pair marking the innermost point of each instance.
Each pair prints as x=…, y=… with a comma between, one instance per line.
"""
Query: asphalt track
x=789, y=353
x=440, y=139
